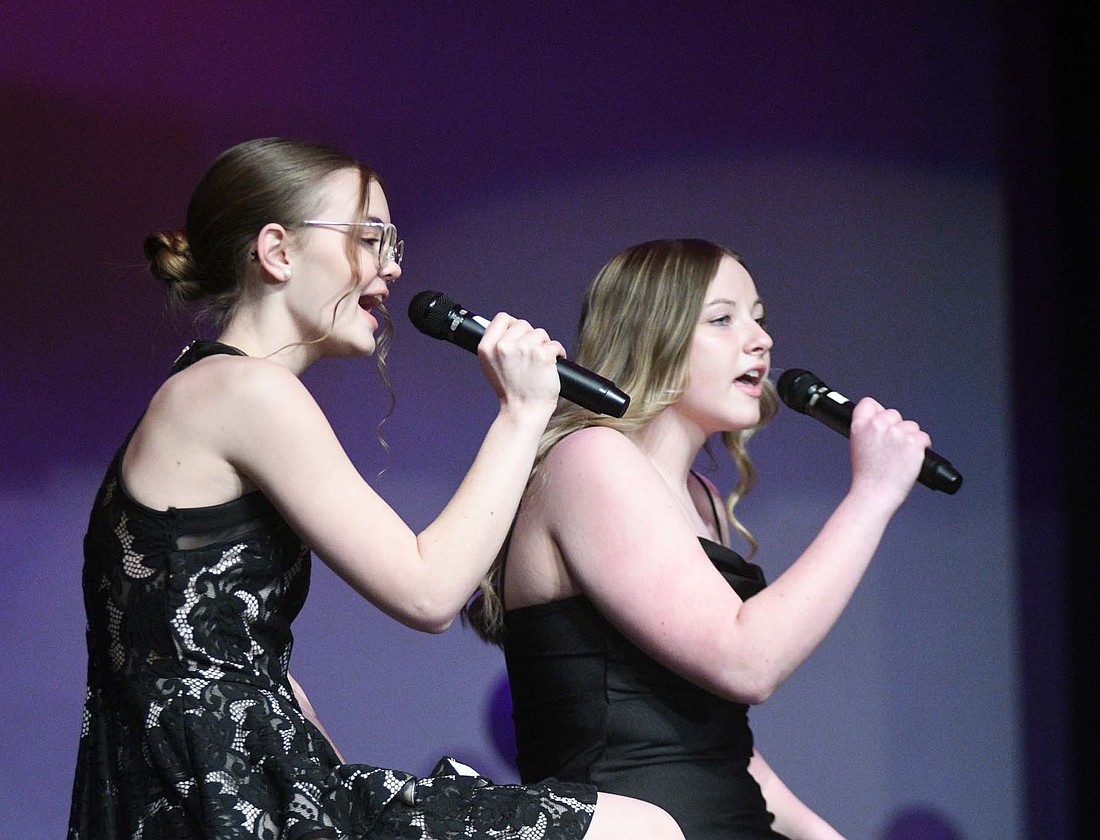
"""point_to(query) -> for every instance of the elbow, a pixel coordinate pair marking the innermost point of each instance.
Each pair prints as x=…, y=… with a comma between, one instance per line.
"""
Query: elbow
x=429, y=617
x=749, y=694
x=755, y=667
x=424, y=624
x=437, y=625
x=752, y=686
x=757, y=693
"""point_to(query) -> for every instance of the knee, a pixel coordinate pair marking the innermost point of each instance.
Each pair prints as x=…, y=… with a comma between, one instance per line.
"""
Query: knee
x=623, y=818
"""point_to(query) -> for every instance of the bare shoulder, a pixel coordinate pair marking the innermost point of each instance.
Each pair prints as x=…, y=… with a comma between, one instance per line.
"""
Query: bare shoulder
x=228, y=387
x=221, y=401
x=187, y=449
x=597, y=472
x=590, y=450
x=235, y=377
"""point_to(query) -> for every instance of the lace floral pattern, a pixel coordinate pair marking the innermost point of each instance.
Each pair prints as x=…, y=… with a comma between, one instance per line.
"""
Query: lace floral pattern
x=190, y=729
x=463, y=806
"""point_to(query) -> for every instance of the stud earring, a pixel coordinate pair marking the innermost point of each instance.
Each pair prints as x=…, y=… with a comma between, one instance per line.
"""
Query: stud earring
x=286, y=273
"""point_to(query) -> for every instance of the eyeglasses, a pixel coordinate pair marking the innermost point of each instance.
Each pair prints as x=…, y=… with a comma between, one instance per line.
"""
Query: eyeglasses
x=387, y=247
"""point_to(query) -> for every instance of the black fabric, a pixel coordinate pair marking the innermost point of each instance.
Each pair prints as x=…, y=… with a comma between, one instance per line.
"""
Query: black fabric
x=191, y=730
x=589, y=706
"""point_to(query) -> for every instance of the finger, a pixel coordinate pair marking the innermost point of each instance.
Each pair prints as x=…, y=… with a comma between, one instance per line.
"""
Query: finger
x=539, y=339
x=865, y=409
x=551, y=349
x=920, y=436
x=887, y=418
x=496, y=330
x=539, y=336
x=517, y=330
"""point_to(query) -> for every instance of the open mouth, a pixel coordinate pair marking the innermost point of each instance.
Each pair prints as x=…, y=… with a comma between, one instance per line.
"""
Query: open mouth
x=367, y=303
x=751, y=377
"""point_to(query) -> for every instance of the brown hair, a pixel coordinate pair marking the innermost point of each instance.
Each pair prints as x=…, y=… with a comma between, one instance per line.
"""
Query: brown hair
x=650, y=362
x=248, y=186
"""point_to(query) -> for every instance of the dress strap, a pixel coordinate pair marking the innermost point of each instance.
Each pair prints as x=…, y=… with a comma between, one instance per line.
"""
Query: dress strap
x=713, y=506
x=200, y=348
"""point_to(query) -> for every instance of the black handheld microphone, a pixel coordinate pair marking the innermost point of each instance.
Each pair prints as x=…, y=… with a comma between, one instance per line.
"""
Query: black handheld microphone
x=436, y=315
x=804, y=392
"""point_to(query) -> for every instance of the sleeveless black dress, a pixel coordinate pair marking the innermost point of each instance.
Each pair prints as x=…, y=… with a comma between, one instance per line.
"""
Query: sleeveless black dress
x=589, y=706
x=191, y=730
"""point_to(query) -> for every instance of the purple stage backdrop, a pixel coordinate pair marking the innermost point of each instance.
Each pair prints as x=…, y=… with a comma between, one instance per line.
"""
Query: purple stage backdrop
x=847, y=150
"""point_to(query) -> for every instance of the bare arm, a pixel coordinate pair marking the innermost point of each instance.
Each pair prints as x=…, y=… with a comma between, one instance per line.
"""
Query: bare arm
x=424, y=579
x=258, y=427
x=702, y=629
x=793, y=818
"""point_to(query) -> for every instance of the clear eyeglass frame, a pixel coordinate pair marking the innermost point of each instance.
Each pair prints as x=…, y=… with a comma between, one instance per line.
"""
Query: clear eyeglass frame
x=390, y=248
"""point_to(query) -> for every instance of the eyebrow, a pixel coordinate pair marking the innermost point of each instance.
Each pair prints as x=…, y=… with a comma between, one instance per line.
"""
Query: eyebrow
x=716, y=301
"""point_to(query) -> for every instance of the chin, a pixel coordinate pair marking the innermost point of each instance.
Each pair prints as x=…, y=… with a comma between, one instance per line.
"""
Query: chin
x=741, y=423
x=351, y=348
x=363, y=349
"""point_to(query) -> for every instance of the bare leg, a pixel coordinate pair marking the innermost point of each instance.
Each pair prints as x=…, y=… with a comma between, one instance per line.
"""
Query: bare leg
x=623, y=818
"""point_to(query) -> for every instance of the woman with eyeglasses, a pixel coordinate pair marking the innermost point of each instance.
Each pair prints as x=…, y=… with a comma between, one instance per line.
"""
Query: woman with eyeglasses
x=635, y=637
x=197, y=555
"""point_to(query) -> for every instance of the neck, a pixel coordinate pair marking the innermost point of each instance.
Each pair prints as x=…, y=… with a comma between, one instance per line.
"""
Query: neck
x=671, y=443
x=266, y=335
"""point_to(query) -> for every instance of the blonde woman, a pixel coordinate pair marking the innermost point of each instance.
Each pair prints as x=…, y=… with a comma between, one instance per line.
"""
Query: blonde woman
x=635, y=637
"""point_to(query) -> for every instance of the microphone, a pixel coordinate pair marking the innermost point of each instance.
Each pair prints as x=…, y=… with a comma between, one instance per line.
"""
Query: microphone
x=805, y=393
x=436, y=315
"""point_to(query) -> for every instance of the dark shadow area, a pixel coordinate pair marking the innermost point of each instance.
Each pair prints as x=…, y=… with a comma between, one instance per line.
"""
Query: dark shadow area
x=1051, y=137
x=83, y=183
x=919, y=823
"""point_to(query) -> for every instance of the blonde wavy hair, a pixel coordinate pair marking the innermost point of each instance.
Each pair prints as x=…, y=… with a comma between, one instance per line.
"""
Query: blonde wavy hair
x=636, y=327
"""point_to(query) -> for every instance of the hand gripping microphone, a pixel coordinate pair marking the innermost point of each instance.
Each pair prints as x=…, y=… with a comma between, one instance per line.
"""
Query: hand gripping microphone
x=436, y=315
x=805, y=393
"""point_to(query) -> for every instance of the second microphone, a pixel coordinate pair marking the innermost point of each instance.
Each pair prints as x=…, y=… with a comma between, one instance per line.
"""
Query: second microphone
x=436, y=315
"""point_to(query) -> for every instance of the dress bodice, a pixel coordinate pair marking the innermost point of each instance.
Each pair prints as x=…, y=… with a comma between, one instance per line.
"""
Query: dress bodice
x=229, y=578
x=589, y=705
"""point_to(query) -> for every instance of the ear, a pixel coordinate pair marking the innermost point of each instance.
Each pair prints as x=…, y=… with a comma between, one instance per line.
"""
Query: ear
x=273, y=253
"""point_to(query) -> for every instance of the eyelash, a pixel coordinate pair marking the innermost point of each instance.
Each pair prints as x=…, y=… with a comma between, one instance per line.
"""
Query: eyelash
x=722, y=320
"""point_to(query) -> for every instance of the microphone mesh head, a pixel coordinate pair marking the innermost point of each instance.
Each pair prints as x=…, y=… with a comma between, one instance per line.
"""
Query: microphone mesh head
x=795, y=388
x=429, y=313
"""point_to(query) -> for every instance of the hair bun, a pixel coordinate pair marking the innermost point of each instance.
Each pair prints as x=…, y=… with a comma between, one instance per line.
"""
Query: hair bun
x=169, y=256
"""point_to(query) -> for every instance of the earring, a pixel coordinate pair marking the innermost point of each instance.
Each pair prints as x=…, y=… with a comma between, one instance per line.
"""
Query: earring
x=286, y=273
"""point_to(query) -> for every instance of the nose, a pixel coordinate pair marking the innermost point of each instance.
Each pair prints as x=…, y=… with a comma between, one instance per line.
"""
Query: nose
x=760, y=341
x=390, y=272
x=381, y=290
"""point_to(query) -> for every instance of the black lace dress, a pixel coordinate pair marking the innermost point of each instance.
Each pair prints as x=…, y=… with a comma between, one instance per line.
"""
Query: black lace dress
x=190, y=728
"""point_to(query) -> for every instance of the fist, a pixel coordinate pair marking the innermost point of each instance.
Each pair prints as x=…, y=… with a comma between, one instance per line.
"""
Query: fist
x=887, y=452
